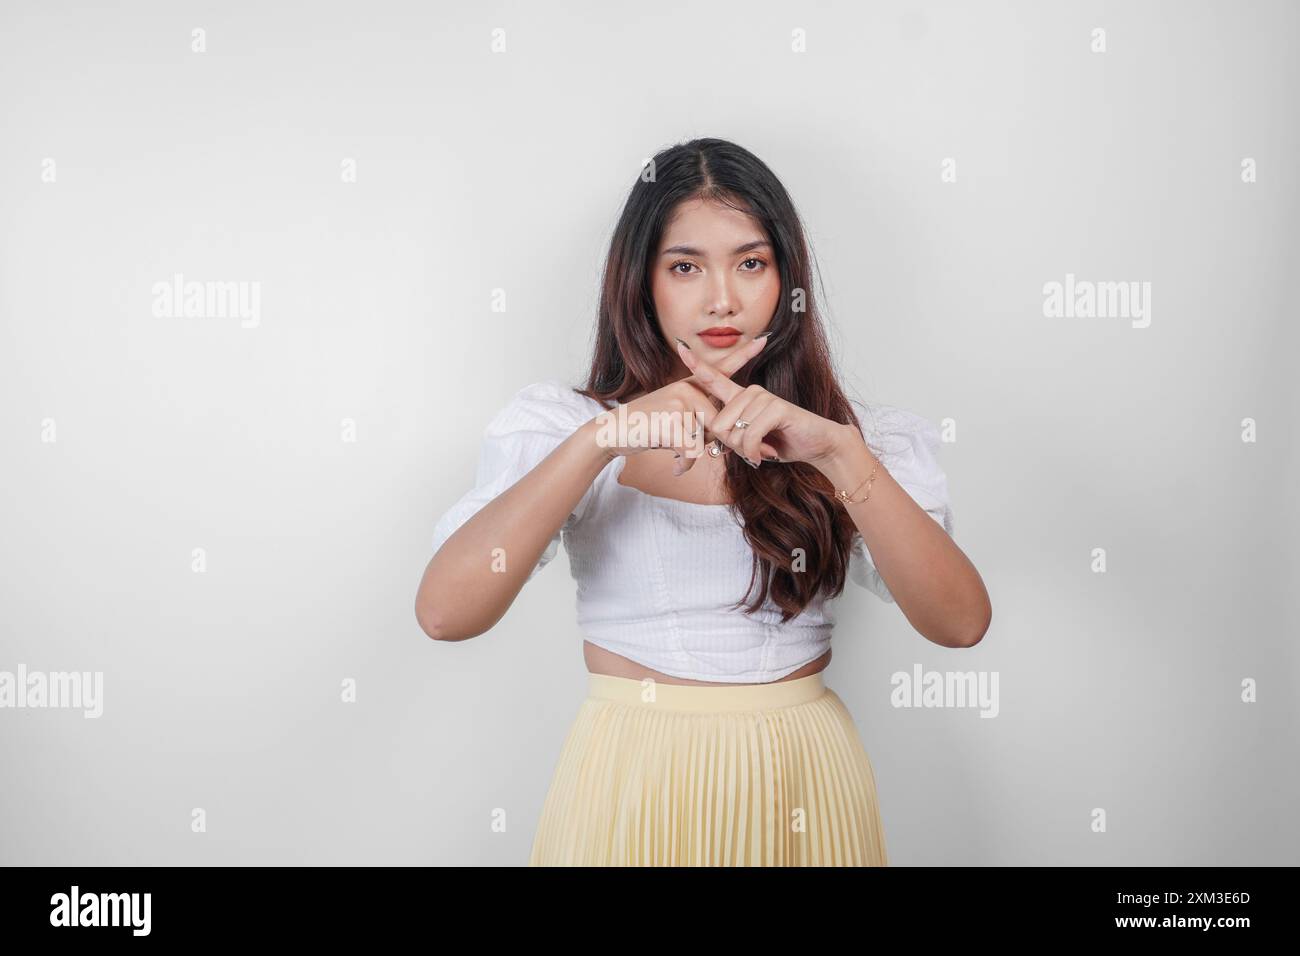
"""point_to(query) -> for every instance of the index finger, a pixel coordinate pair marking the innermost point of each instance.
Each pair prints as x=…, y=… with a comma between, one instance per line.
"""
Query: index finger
x=709, y=377
x=733, y=361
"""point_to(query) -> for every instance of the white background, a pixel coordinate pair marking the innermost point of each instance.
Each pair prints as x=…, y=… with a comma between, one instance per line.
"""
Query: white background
x=478, y=171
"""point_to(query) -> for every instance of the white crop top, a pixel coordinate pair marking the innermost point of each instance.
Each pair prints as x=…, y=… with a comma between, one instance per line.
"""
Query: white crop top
x=656, y=576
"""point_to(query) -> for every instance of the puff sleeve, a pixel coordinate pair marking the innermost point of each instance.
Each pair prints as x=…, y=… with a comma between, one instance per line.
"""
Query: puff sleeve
x=908, y=446
x=531, y=425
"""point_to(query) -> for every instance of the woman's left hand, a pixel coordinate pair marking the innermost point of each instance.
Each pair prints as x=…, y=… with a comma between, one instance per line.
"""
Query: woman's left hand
x=795, y=433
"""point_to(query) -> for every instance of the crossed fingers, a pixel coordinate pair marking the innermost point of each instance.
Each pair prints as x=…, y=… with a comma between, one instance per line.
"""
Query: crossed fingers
x=714, y=380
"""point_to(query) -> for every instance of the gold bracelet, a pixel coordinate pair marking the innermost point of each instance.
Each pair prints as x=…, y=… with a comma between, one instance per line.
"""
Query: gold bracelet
x=848, y=499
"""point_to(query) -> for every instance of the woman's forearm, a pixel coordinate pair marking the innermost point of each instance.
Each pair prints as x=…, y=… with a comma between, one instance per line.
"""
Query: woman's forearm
x=931, y=580
x=475, y=576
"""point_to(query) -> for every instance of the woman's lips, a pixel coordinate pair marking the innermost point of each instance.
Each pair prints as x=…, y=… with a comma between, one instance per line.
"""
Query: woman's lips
x=720, y=339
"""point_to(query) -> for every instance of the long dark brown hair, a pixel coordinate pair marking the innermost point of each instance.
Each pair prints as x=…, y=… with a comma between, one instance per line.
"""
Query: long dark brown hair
x=786, y=506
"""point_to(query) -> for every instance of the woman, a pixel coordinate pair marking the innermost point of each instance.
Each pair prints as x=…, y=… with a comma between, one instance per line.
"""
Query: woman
x=708, y=736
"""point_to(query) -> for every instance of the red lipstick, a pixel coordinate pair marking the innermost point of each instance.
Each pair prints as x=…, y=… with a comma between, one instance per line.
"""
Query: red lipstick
x=720, y=336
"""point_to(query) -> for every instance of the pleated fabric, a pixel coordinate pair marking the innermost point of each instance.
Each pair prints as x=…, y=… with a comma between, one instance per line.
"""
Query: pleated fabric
x=655, y=774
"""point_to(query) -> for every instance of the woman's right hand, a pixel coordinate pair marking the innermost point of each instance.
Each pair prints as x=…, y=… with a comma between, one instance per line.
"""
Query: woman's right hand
x=677, y=409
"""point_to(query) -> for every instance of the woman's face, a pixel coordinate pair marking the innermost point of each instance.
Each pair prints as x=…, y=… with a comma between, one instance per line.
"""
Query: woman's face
x=715, y=271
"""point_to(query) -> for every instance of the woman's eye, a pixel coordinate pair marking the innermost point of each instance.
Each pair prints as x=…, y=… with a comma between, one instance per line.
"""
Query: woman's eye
x=677, y=266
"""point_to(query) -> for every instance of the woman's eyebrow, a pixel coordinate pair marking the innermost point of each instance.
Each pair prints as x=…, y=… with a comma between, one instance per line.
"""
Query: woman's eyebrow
x=692, y=251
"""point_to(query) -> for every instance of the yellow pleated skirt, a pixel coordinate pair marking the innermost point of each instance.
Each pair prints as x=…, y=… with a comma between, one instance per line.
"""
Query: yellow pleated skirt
x=655, y=774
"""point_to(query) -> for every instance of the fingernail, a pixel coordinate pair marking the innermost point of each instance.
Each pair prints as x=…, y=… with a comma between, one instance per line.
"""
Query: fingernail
x=682, y=344
x=762, y=335
x=751, y=464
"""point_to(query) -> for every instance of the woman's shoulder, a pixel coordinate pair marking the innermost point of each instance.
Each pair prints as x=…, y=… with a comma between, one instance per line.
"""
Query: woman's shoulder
x=909, y=445
x=893, y=429
x=549, y=403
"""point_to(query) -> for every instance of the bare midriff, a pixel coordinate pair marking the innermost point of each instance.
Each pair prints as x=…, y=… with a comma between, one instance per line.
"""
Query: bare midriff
x=602, y=661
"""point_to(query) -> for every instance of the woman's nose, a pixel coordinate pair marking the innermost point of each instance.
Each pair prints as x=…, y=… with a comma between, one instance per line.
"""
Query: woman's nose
x=722, y=298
